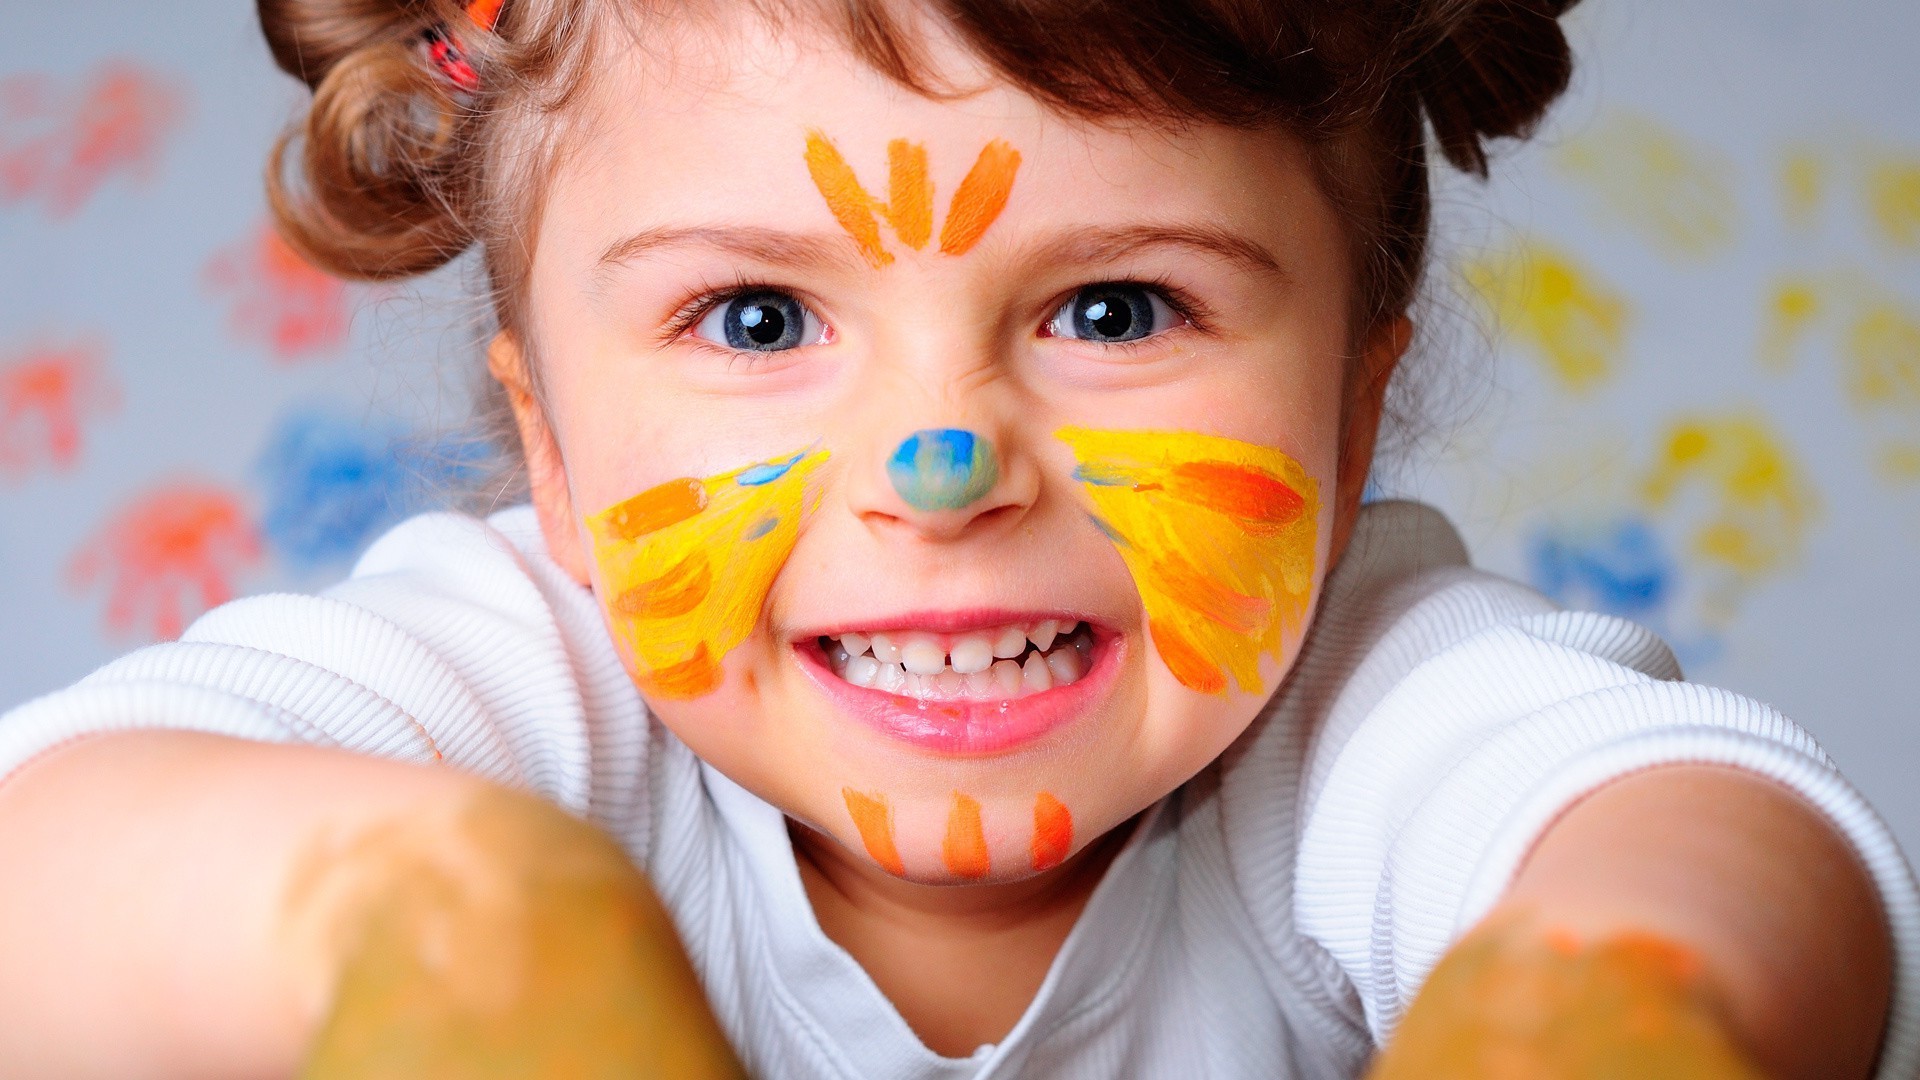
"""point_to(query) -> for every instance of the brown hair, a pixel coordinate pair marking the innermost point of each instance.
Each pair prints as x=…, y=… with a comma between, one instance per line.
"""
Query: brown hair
x=398, y=173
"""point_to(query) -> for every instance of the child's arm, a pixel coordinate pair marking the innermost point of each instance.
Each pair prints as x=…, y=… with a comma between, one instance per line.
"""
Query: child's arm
x=1671, y=907
x=190, y=905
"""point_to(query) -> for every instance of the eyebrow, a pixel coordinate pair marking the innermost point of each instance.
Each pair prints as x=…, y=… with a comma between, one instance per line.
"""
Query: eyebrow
x=773, y=246
x=1111, y=244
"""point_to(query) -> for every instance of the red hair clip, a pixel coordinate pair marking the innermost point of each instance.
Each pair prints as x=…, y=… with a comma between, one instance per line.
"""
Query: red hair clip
x=443, y=52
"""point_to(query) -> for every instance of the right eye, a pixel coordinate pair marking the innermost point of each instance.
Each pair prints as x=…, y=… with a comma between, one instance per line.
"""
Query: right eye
x=764, y=320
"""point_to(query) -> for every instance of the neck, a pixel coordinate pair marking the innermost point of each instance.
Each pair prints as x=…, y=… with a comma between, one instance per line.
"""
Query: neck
x=960, y=963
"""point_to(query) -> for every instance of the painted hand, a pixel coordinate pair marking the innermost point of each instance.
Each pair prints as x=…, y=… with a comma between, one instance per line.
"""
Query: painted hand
x=1514, y=1001
x=523, y=945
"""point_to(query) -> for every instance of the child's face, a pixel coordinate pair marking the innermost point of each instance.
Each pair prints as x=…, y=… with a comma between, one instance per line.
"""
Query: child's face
x=734, y=266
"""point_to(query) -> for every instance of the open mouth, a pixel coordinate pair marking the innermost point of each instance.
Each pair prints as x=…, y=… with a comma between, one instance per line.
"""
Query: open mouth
x=1004, y=664
x=980, y=691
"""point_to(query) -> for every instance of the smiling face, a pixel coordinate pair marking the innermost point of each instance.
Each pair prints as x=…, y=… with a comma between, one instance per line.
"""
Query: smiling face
x=954, y=476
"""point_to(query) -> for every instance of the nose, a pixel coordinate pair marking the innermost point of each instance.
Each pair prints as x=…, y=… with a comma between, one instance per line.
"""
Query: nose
x=944, y=483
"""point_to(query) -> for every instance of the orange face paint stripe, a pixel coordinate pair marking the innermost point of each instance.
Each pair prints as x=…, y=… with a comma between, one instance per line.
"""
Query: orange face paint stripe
x=874, y=818
x=850, y=204
x=909, y=206
x=1254, y=497
x=965, y=848
x=655, y=509
x=980, y=197
x=674, y=593
x=690, y=678
x=1188, y=665
x=1052, y=831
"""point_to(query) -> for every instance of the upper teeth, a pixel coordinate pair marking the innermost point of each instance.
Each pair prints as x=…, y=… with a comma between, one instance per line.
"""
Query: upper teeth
x=982, y=664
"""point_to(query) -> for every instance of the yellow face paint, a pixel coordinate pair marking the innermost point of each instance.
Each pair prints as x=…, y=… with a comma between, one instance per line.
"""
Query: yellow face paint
x=1220, y=537
x=908, y=208
x=685, y=566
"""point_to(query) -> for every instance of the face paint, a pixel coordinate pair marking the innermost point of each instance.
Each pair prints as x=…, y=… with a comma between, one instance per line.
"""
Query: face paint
x=908, y=209
x=686, y=566
x=943, y=469
x=874, y=818
x=1220, y=537
x=1052, y=831
x=965, y=848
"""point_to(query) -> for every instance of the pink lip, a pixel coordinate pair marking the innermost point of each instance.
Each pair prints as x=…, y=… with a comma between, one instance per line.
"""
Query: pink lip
x=967, y=727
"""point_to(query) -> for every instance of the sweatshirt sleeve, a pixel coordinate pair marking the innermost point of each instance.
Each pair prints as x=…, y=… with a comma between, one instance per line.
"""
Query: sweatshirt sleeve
x=1426, y=788
x=455, y=641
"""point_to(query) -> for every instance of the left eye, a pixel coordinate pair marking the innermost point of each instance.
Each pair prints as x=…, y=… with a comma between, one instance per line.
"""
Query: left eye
x=1113, y=313
x=764, y=320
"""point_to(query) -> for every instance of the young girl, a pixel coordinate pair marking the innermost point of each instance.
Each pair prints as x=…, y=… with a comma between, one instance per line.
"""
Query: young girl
x=946, y=580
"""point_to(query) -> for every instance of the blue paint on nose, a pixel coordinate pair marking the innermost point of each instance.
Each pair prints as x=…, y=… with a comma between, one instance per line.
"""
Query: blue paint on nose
x=943, y=469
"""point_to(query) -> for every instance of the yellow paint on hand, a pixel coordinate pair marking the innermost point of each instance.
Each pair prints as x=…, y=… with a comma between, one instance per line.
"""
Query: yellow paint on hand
x=684, y=567
x=982, y=195
x=1759, y=505
x=511, y=941
x=1791, y=311
x=1677, y=194
x=1573, y=323
x=1893, y=200
x=1220, y=537
x=1509, y=1002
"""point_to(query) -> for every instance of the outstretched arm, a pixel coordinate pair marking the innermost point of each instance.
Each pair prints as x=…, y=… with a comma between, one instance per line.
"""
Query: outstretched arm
x=1695, y=921
x=191, y=905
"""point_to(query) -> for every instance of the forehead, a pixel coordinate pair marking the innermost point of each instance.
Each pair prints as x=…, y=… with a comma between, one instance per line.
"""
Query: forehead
x=705, y=120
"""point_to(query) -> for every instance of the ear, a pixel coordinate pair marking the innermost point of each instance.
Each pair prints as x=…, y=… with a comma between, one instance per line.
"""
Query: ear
x=546, y=472
x=1366, y=401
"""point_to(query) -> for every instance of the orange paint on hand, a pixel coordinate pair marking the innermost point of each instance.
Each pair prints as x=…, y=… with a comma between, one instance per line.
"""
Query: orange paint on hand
x=162, y=549
x=965, y=848
x=981, y=197
x=874, y=818
x=1510, y=1000
x=1052, y=831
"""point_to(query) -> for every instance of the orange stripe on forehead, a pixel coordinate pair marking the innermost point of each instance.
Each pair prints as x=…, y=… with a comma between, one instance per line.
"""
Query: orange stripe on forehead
x=980, y=198
x=850, y=204
x=909, y=206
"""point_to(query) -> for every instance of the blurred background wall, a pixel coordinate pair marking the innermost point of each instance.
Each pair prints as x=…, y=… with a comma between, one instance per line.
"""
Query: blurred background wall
x=1670, y=369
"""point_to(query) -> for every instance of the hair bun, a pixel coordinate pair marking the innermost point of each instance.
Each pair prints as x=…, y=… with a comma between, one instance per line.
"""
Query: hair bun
x=377, y=192
x=1487, y=69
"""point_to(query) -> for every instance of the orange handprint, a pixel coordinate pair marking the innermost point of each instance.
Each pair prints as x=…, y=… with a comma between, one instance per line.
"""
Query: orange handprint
x=43, y=396
x=62, y=147
x=279, y=300
x=162, y=548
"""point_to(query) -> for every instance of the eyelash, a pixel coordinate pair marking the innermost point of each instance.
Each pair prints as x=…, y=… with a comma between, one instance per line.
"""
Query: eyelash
x=1190, y=308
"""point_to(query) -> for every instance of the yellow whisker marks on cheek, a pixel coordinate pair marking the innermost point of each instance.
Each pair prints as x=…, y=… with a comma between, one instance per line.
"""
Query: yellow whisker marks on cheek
x=685, y=567
x=1220, y=536
x=980, y=198
x=874, y=818
x=964, y=849
x=1052, y=831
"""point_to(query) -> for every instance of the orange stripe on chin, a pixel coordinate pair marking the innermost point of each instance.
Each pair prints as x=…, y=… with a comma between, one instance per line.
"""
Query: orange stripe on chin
x=1052, y=831
x=965, y=848
x=874, y=818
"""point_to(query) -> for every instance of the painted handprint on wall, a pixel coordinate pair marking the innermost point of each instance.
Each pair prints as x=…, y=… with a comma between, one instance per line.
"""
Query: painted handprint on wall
x=167, y=556
x=61, y=144
x=46, y=394
x=277, y=300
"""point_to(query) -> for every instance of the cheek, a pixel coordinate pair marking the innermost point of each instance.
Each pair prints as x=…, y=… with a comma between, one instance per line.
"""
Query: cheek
x=1222, y=538
x=683, y=568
